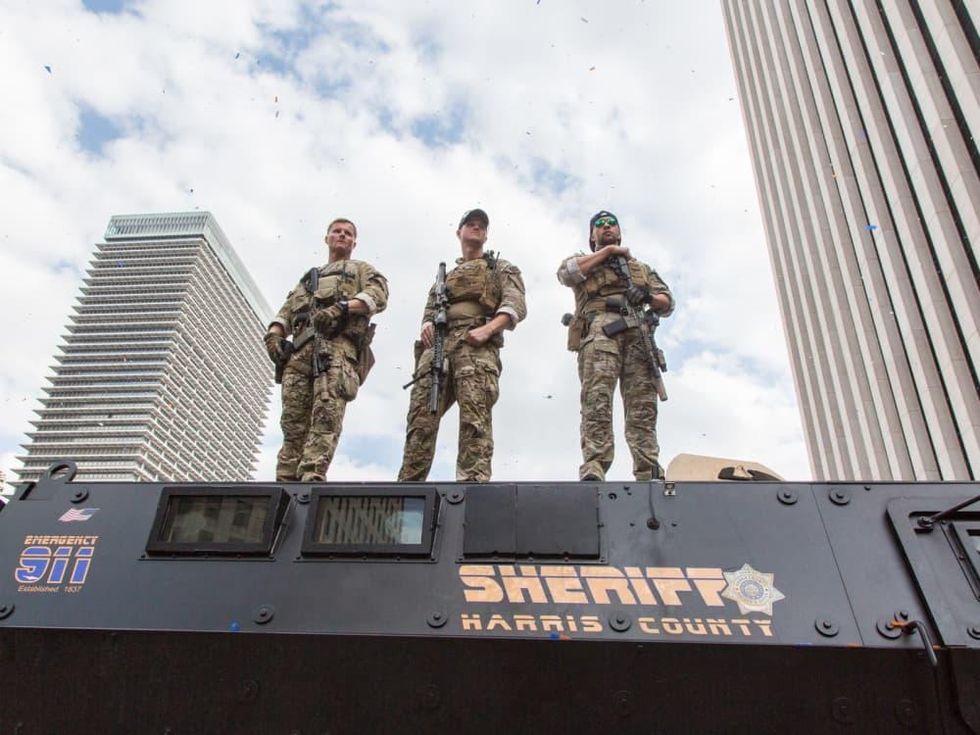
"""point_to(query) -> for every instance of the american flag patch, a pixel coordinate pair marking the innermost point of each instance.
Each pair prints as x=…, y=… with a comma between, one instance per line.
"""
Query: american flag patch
x=78, y=514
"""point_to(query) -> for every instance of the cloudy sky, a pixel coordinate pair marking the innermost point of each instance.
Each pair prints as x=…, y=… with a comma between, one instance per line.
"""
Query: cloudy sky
x=277, y=115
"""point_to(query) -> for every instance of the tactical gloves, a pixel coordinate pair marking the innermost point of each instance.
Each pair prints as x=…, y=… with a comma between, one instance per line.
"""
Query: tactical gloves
x=637, y=295
x=273, y=345
x=328, y=321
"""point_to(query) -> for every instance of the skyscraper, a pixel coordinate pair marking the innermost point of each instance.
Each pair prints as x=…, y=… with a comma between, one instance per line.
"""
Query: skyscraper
x=162, y=375
x=862, y=119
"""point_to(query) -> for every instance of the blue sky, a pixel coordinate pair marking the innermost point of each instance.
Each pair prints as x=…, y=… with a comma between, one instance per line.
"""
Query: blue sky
x=278, y=116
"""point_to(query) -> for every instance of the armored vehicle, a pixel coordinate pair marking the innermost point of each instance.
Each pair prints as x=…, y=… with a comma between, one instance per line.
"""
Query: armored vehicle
x=677, y=606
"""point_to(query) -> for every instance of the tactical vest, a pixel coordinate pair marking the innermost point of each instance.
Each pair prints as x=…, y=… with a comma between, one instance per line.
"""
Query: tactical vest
x=474, y=290
x=339, y=281
x=602, y=282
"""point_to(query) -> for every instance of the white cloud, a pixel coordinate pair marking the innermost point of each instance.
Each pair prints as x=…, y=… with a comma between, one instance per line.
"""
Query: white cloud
x=612, y=104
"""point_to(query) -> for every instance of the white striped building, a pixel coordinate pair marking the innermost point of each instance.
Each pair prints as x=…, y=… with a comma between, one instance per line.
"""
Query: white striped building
x=162, y=374
x=862, y=118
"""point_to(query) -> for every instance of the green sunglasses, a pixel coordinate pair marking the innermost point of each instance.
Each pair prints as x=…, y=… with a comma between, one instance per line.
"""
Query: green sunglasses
x=603, y=221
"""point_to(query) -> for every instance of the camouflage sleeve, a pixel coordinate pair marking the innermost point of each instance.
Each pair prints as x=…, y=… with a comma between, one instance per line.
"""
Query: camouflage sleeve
x=285, y=316
x=512, y=300
x=569, y=274
x=429, y=314
x=657, y=286
x=374, y=289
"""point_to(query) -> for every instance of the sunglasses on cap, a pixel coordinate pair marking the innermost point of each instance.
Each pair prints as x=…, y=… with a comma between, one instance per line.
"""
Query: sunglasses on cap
x=603, y=221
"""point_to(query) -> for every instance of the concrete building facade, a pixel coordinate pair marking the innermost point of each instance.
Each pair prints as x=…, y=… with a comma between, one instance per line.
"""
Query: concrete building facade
x=862, y=118
x=162, y=374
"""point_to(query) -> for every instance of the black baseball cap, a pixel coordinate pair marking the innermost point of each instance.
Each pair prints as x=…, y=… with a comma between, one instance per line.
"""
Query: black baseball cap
x=601, y=213
x=474, y=214
x=598, y=215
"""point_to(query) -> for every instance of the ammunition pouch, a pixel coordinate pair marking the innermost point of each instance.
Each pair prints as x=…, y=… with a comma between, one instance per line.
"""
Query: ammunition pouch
x=614, y=328
x=615, y=303
x=576, y=332
x=365, y=356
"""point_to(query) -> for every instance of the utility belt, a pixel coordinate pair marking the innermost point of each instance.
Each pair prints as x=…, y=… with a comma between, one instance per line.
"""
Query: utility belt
x=614, y=303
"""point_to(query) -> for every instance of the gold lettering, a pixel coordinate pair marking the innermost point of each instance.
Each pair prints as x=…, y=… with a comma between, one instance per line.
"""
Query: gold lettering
x=525, y=622
x=496, y=621
x=765, y=626
x=646, y=625
x=643, y=592
x=668, y=589
x=566, y=590
x=696, y=627
x=718, y=627
x=572, y=627
x=665, y=572
x=603, y=580
x=551, y=622
x=743, y=625
x=591, y=624
x=515, y=587
x=471, y=622
x=506, y=570
x=709, y=582
x=600, y=589
x=672, y=626
x=483, y=589
x=709, y=590
x=704, y=573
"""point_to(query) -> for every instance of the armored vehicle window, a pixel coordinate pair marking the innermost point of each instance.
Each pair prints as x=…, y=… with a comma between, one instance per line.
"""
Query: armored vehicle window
x=371, y=522
x=217, y=521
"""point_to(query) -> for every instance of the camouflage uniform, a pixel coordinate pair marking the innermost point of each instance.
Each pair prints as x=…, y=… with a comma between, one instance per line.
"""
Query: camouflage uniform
x=477, y=292
x=312, y=415
x=603, y=360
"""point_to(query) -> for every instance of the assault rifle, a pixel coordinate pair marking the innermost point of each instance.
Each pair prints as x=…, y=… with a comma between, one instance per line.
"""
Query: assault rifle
x=441, y=323
x=646, y=320
x=321, y=358
x=310, y=282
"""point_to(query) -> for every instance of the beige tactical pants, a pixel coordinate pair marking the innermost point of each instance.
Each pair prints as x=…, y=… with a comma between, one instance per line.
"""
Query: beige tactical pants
x=472, y=381
x=601, y=363
x=312, y=418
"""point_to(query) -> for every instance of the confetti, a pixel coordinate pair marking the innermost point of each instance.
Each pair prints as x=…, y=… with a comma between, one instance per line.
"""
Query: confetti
x=591, y=68
x=237, y=54
x=584, y=20
x=47, y=69
x=277, y=113
x=872, y=228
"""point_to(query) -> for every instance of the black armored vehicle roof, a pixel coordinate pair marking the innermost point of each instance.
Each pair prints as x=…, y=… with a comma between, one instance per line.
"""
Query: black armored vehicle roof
x=498, y=607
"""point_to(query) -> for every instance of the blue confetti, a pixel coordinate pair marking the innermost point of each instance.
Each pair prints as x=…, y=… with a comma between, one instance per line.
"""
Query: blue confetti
x=234, y=627
x=553, y=636
x=120, y=264
x=47, y=68
x=872, y=228
x=238, y=54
